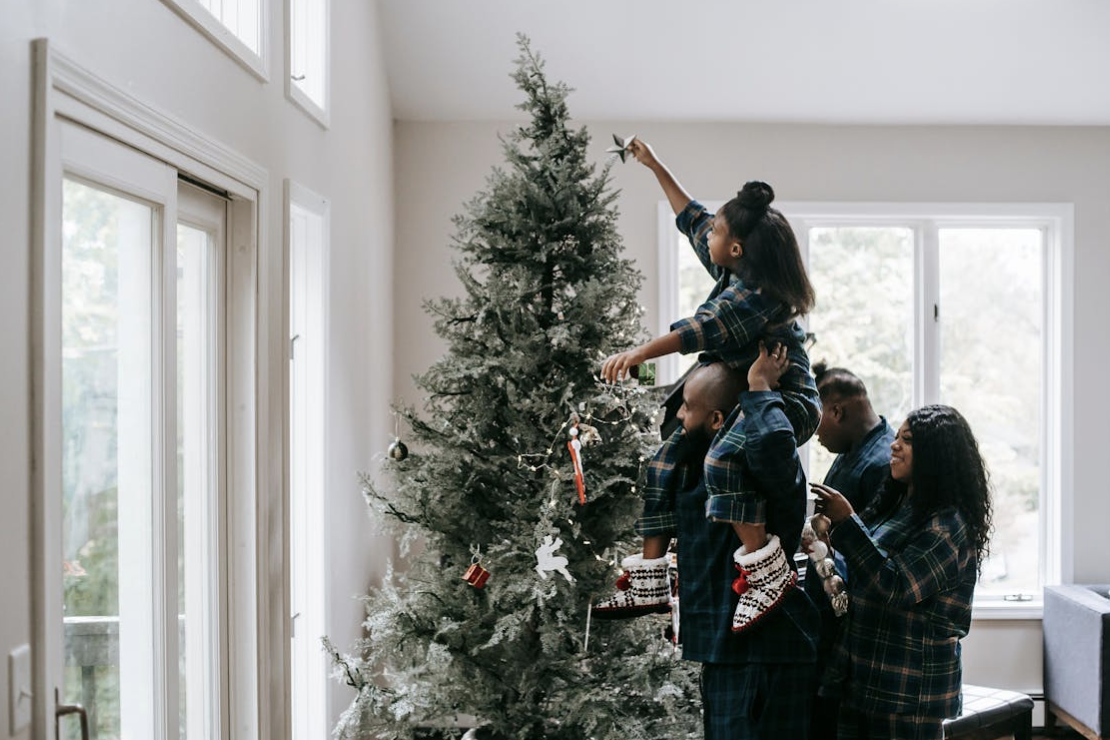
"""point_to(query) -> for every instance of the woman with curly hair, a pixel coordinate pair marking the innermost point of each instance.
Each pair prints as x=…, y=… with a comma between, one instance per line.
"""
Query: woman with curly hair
x=913, y=559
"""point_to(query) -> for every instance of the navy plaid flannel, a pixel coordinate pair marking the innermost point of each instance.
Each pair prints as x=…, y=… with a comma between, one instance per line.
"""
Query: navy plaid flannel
x=728, y=325
x=858, y=474
x=705, y=564
x=734, y=318
x=912, y=582
x=755, y=701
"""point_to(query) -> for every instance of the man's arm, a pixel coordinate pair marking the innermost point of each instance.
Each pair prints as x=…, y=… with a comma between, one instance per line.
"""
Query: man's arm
x=769, y=445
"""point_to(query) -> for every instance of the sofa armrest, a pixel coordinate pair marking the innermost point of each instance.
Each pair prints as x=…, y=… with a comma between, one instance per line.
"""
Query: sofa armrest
x=1077, y=652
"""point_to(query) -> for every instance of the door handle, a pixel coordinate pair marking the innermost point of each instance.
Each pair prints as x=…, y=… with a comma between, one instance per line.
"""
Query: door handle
x=62, y=710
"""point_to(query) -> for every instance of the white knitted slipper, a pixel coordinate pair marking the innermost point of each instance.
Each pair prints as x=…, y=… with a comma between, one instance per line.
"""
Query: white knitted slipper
x=643, y=589
x=765, y=577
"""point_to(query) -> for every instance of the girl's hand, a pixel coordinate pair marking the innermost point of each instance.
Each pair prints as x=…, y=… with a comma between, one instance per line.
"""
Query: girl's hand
x=765, y=372
x=643, y=153
x=619, y=366
x=831, y=503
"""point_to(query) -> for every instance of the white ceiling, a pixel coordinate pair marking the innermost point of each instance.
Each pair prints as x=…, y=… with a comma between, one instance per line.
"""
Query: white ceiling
x=837, y=61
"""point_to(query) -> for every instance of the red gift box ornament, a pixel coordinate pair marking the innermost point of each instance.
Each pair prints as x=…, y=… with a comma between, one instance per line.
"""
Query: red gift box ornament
x=476, y=575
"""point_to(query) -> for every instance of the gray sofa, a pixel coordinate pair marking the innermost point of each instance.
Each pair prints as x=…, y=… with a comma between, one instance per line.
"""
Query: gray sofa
x=1077, y=657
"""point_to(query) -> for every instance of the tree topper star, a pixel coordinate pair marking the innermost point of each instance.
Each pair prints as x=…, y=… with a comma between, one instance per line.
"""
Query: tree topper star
x=621, y=148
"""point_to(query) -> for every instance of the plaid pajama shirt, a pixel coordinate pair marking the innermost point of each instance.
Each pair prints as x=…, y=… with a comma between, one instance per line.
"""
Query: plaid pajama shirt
x=858, y=474
x=912, y=581
x=727, y=328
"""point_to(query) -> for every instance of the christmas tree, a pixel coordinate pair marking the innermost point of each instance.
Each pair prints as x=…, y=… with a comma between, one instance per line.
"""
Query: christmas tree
x=491, y=481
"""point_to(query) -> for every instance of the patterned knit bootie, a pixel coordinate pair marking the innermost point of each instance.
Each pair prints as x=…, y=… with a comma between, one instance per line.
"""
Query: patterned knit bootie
x=765, y=577
x=641, y=590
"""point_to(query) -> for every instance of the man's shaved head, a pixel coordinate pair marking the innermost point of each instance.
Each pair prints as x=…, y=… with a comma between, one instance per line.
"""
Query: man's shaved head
x=717, y=386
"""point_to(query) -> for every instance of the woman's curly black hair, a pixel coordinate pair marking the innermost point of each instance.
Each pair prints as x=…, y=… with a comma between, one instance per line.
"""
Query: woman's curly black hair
x=948, y=470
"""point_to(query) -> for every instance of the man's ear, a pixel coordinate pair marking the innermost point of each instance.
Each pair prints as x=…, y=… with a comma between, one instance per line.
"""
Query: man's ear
x=716, y=420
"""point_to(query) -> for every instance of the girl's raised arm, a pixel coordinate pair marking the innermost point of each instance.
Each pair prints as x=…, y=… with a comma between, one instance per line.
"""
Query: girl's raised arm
x=676, y=194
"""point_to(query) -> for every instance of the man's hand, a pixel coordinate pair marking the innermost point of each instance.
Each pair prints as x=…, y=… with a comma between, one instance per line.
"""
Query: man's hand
x=831, y=503
x=619, y=366
x=765, y=372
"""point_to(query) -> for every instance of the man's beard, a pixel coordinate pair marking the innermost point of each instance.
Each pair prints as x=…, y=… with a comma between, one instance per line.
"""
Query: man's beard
x=693, y=446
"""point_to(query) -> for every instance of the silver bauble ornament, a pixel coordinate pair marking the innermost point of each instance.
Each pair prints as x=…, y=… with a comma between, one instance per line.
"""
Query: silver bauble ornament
x=397, y=450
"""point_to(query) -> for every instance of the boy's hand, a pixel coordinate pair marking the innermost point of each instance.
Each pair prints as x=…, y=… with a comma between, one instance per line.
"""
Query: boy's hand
x=765, y=372
x=619, y=366
x=643, y=153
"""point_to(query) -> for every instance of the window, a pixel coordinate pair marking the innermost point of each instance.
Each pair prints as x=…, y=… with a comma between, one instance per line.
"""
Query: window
x=308, y=57
x=960, y=305
x=307, y=223
x=142, y=489
x=201, y=488
x=147, y=426
x=239, y=27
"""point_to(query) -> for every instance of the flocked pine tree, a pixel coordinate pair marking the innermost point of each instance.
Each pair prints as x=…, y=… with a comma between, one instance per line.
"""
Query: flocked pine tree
x=547, y=296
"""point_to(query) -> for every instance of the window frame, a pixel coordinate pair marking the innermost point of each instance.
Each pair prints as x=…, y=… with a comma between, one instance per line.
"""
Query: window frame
x=198, y=210
x=1057, y=400
x=318, y=693
x=198, y=16
x=319, y=113
x=252, y=665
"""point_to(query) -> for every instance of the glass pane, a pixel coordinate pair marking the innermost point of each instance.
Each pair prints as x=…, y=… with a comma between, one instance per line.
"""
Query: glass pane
x=197, y=490
x=241, y=17
x=991, y=304
x=307, y=478
x=694, y=286
x=863, y=321
x=308, y=48
x=107, y=458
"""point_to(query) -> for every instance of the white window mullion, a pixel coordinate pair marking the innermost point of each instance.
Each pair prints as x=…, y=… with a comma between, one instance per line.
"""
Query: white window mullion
x=1057, y=400
x=200, y=246
x=1047, y=560
x=928, y=316
x=165, y=519
x=667, y=366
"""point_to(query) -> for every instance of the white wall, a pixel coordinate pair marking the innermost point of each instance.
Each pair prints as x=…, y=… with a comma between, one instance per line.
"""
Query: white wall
x=146, y=49
x=441, y=165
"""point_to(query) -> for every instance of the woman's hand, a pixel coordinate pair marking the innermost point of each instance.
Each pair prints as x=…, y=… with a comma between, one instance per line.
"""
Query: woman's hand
x=765, y=372
x=619, y=366
x=643, y=153
x=831, y=503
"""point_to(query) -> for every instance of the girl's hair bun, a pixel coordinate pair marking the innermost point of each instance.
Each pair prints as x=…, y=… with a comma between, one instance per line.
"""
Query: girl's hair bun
x=756, y=195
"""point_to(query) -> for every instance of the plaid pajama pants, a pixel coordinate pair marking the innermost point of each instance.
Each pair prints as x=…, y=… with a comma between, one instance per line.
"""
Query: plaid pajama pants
x=854, y=725
x=756, y=701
